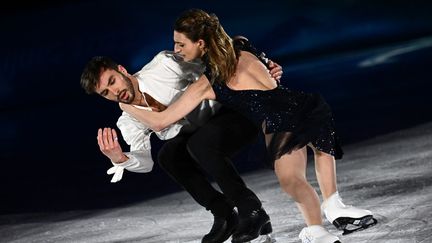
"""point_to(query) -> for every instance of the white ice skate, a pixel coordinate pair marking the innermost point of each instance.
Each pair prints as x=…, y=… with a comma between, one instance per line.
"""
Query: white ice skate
x=344, y=217
x=317, y=234
x=268, y=238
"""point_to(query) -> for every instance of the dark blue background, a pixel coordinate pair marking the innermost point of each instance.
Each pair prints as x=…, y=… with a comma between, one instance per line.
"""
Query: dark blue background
x=49, y=154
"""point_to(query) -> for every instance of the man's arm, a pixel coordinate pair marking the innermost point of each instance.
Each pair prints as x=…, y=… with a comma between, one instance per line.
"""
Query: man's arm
x=137, y=136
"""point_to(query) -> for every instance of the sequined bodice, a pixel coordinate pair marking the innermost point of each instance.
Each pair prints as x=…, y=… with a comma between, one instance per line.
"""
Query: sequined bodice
x=280, y=108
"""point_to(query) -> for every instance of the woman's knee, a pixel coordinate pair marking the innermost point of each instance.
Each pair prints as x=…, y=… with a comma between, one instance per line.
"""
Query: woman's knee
x=291, y=184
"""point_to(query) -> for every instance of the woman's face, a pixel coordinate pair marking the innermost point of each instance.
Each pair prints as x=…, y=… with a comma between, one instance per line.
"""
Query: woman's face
x=188, y=49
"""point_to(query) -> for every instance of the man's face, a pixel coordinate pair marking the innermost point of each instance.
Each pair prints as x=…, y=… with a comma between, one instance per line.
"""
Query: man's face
x=116, y=86
x=186, y=48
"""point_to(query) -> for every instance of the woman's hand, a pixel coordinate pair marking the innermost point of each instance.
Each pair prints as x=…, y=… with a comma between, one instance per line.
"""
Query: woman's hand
x=275, y=70
x=125, y=107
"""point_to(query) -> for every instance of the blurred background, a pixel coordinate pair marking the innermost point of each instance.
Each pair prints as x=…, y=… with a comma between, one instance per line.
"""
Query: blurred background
x=371, y=60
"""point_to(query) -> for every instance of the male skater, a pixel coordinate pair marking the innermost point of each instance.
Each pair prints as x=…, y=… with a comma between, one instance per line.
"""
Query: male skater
x=204, y=141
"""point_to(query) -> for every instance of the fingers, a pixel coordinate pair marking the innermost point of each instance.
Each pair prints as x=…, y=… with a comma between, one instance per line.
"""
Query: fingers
x=276, y=73
x=275, y=70
x=271, y=64
x=99, y=139
x=154, y=108
x=114, y=134
x=110, y=139
x=108, y=144
x=124, y=106
x=107, y=139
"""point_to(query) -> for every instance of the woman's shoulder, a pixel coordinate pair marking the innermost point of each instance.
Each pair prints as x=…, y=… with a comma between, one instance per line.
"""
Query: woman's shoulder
x=241, y=43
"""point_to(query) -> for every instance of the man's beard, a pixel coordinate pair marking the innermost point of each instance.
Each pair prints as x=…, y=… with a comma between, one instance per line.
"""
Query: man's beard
x=130, y=89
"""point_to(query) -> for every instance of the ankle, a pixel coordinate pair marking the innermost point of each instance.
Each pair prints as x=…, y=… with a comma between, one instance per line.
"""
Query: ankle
x=221, y=209
x=248, y=206
x=333, y=199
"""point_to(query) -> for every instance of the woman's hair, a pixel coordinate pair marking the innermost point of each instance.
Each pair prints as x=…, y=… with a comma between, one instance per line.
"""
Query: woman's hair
x=196, y=24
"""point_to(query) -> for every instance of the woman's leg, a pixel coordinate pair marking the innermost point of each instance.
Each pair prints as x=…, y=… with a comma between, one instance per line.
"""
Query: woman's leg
x=325, y=169
x=334, y=209
x=290, y=170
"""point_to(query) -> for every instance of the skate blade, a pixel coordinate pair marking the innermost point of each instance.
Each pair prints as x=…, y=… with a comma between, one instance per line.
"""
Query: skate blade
x=364, y=224
x=342, y=222
x=263, y=239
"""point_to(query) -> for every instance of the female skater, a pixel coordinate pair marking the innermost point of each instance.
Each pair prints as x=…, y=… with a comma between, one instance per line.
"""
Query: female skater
x=237, y=77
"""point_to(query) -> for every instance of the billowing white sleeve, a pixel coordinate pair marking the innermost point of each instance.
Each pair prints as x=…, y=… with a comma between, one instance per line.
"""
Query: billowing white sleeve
x=138, y=137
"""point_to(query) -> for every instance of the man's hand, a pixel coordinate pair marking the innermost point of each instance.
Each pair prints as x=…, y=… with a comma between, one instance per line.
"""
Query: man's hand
x=275, y=70
x=109, y=145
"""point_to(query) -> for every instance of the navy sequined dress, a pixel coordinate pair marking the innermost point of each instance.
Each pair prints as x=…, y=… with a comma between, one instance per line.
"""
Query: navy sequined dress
x=290, y=119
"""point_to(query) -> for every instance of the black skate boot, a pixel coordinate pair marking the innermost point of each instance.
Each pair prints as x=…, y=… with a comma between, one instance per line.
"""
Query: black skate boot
x=251, y=226
x=222, y=228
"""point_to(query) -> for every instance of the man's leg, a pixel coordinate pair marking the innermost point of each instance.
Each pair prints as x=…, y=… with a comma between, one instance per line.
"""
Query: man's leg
x=174, y=158
x=212, y=146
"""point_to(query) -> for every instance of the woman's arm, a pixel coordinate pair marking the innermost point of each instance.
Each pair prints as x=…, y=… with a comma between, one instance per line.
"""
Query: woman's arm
x=191, y=98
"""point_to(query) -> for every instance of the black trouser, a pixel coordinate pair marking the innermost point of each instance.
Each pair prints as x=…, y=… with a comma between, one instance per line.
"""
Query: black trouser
x=187, y=157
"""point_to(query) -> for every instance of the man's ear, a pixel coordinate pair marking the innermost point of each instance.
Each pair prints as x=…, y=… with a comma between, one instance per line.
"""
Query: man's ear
x=122, y=69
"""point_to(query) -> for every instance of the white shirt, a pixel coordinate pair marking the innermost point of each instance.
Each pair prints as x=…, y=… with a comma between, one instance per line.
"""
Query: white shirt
x=165, y=78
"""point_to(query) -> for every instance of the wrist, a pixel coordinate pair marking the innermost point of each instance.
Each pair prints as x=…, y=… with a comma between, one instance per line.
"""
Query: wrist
x=123, y=158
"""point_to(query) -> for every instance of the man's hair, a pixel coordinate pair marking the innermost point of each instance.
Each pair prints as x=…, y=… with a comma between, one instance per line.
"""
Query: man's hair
x=91, y=74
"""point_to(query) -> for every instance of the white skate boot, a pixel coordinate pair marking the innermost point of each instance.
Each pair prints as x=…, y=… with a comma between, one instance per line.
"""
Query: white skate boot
x=317, y=234
x=346, y=218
